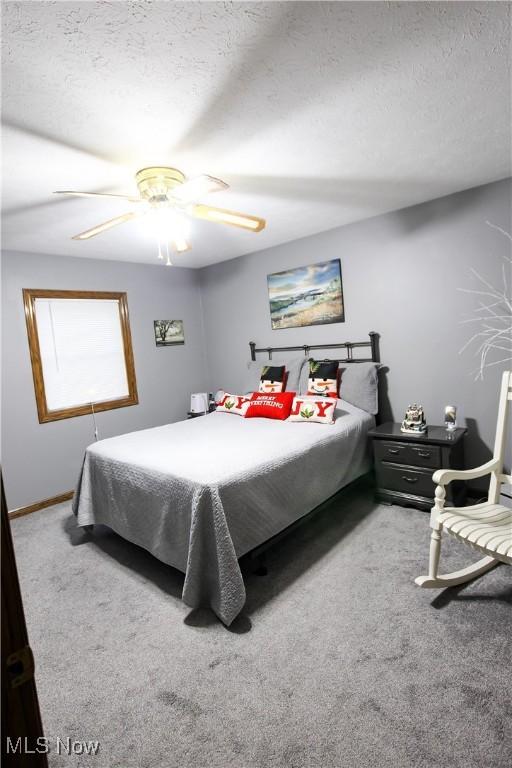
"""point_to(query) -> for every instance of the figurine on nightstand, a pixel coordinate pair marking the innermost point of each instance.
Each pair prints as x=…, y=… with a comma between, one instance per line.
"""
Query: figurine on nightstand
x=414, y=421
x=450, y=417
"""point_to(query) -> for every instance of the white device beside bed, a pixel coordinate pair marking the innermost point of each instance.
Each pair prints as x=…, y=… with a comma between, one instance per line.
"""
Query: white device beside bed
x=199, y=402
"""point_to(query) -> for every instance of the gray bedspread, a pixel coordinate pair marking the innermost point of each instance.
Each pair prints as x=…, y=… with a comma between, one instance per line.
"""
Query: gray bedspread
x=199, y=494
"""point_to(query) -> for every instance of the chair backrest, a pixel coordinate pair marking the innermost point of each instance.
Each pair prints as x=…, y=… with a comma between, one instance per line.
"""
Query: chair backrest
x=499, y=442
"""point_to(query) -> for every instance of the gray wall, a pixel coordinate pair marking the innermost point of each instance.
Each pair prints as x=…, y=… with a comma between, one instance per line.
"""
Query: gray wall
x=42, y=460
x=400, y=272
x=400, y=275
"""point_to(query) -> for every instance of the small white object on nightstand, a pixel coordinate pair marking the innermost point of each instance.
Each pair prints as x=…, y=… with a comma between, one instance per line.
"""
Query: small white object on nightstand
x=199, y=402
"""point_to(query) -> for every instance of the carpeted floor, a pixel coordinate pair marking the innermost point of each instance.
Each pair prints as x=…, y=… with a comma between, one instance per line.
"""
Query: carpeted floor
x=339, y=660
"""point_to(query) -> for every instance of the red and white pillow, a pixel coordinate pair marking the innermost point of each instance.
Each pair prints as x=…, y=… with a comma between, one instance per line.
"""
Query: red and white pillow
x=267, y=405
x=236, y=404
x=320, y=410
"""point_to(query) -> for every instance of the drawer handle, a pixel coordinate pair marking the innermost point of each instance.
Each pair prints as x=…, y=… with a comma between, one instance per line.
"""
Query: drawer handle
x=393, y=450
x=424, y=454
x=409, y=479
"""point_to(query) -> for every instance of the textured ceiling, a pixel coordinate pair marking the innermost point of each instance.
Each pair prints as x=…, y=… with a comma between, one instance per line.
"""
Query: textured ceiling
x=317, y=114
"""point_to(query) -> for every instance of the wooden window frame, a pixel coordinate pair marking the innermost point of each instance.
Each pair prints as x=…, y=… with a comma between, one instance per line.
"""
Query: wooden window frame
x=29, y=297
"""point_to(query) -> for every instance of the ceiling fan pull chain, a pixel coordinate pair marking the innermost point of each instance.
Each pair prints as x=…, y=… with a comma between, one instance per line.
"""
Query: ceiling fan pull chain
x=160, y=254
x=168, y=262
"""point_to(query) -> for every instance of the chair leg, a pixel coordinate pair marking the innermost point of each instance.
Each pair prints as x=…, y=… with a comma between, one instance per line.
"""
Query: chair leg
x=435, y=551
x=435, y=536
x=457, y=577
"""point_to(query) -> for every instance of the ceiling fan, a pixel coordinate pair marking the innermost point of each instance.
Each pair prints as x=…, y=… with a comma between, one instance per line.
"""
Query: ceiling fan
x=169, y=197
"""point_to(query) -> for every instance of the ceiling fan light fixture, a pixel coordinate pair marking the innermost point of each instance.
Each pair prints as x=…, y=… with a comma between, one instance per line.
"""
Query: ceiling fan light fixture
x=166, y=200
x=157, y=182
x=169, y=226
x=167, y=223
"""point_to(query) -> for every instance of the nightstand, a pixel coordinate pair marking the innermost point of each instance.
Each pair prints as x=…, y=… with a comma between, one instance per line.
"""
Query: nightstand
x=404, y=464
x=192, y=415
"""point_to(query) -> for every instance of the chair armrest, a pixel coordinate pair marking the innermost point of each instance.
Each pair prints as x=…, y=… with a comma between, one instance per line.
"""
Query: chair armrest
x=445, y=476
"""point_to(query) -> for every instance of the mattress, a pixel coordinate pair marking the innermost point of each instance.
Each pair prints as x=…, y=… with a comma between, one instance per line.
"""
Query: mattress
x=201, y=493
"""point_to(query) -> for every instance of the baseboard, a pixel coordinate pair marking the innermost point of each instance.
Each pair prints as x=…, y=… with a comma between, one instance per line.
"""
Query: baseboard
x=41, y=505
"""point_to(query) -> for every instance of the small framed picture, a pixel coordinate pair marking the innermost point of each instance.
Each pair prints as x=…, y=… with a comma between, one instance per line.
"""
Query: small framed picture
x=169, y=333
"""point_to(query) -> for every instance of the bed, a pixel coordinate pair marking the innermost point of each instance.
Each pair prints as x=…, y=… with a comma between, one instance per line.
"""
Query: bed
x=202, y=493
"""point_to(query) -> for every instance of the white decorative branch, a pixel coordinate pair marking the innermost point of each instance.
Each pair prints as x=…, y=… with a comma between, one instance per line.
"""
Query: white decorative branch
x=493, y=314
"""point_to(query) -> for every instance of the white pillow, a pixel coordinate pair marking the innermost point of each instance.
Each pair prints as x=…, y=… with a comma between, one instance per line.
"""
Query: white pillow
x=318, y=409
x=237, y=404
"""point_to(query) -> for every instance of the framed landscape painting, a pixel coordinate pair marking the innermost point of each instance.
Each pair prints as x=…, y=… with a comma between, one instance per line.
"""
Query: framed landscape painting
x=311, y=295
x=168, y=333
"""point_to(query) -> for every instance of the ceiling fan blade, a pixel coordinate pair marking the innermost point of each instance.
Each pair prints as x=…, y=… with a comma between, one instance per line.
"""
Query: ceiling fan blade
x=233, y=218
x=196, y=188
x=106, y=225
x=97, y=194
x=181, y=245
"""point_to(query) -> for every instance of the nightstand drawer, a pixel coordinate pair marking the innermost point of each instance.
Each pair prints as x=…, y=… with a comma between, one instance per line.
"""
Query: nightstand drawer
x=395, y=477
x=409, y=453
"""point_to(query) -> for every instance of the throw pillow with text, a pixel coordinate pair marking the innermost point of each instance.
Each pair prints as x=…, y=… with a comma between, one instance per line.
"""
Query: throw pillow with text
x=270, y=406
x=319, y=410
x=236, y=404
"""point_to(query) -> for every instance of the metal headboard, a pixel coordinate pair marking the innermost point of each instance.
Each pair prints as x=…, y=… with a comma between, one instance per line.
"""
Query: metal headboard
x=373, y=344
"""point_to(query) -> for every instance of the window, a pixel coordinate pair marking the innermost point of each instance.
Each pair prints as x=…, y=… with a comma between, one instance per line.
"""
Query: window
x=81, y=352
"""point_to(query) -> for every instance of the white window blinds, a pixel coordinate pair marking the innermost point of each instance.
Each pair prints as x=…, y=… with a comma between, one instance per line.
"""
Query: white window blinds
x=82, y=351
